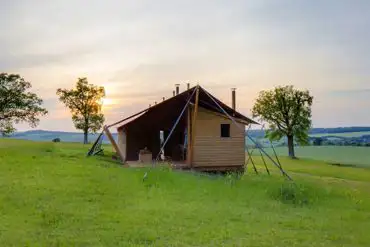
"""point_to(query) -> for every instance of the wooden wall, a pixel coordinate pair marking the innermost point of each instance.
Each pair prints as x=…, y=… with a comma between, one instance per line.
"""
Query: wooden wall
x=210, y=149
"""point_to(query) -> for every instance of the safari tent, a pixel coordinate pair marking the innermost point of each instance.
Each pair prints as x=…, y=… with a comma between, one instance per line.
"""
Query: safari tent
x=192, y=129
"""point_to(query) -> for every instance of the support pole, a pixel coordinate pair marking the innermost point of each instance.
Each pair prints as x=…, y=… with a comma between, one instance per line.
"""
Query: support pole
x=174, y=126
x=273, y=161
x=188, y=155
x=250, y=155
x=263, y=158
x=254, y=166
x=246, y=147
x=264, y=162
x=92, y=150
x=277, y=158
x=194, y=126
x=115, y=146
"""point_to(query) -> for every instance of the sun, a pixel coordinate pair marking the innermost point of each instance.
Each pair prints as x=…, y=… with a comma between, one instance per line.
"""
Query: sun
x=110, y=100
x=107, y=102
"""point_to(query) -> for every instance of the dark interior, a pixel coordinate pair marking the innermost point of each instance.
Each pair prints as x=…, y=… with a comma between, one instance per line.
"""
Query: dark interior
x=144, y=132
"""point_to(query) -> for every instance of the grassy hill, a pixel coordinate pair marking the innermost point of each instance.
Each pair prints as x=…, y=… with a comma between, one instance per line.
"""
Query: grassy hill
x=46, y=135
x=52, y=195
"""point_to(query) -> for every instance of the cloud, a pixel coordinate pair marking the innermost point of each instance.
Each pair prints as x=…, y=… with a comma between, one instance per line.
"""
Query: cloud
x=350, y=92
x=139, y=49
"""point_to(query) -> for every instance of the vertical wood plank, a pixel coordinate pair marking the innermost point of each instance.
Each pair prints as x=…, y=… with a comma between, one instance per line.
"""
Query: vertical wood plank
x=188, y=148
x=194, y=126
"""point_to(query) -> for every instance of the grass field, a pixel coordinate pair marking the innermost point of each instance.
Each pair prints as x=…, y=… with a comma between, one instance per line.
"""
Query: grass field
x=343, y=155
x=52, y=195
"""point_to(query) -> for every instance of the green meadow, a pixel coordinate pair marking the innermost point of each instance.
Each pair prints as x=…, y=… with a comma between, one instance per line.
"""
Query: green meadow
x=51, y=194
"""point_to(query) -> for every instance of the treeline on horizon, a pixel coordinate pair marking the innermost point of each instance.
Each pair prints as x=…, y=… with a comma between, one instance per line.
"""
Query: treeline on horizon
x=259, y=133
x=338, y=130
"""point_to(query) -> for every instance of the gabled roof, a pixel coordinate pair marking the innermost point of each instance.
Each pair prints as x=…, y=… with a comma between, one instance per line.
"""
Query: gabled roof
x=175, y=104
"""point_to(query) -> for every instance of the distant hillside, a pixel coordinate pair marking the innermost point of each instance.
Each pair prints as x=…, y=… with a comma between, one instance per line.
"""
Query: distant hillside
x=339, y=130
x=45, y=135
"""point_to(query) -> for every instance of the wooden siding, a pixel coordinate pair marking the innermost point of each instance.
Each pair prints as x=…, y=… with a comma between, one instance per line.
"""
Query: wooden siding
x=210, y=149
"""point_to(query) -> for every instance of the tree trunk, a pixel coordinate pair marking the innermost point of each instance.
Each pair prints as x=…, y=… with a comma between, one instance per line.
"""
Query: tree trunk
x=86, y=137
x=291, y=147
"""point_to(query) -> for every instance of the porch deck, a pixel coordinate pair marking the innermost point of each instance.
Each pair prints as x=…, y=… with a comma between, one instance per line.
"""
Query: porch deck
x=174, y=165
x=182, y=165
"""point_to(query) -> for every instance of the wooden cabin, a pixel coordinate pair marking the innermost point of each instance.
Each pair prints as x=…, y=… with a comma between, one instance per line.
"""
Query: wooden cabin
x=205, y=138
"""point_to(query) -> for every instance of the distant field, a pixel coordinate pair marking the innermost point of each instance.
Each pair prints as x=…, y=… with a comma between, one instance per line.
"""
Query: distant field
x=265, y=141
x=359, y=156
x=348, y=134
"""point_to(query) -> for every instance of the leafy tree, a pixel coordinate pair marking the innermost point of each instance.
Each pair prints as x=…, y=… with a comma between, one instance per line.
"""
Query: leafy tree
x=17, y=104
x=317, y=141
x=85, y=103
x=288, y=112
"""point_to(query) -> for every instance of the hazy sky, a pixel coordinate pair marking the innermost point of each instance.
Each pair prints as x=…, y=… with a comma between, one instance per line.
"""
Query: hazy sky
x=138, y=50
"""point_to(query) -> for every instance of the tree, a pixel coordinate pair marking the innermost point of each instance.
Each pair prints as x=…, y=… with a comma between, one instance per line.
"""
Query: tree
x=17, y=104
x=317, y=141
x=85, y=104
x=288, y=112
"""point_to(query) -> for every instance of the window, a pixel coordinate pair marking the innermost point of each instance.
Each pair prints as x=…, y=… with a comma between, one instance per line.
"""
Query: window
x=225, y=130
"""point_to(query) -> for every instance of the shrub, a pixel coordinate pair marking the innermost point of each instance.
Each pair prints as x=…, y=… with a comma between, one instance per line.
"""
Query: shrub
x=292, y=193
x=56, y=140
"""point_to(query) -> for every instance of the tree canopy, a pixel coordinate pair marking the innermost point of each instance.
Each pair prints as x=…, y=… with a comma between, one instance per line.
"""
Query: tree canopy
x=288, y=113
x=85, y=104
x=17, y=104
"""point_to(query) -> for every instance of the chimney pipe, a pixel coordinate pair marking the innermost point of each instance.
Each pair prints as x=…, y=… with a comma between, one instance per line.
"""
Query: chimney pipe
x=163, y=98
x=177, y=88
x=173, y=92
x=188, y=85
x=233, y=98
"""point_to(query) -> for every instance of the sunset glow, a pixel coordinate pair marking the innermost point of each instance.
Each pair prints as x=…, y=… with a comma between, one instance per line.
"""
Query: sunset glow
x=138, y=51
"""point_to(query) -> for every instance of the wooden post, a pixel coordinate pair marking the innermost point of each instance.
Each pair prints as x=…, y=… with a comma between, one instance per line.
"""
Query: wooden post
x=194, y=126
x=115, y=146
x=188, y=155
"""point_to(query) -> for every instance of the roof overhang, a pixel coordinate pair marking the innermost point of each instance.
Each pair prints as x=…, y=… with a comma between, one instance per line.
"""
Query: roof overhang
x=205, y=101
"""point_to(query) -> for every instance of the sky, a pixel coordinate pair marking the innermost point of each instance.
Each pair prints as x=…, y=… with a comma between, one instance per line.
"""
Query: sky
x=139, y=49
